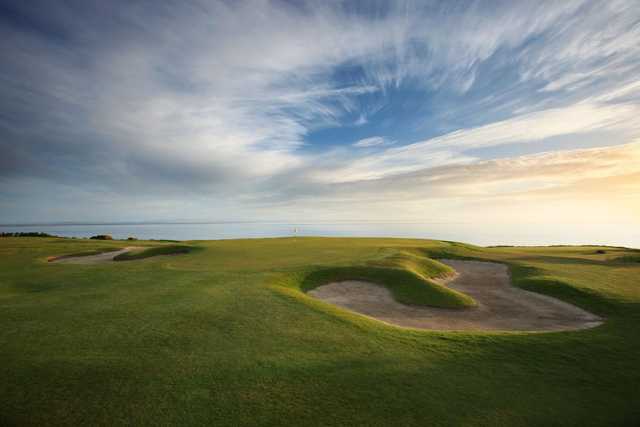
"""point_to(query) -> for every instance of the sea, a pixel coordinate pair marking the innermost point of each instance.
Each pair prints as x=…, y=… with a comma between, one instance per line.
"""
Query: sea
x=475, y=233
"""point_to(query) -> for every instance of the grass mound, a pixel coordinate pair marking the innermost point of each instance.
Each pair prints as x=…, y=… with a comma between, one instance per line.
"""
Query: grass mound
x=91, y=252
x=155, y=251
x=407, y=275
x=422, y=266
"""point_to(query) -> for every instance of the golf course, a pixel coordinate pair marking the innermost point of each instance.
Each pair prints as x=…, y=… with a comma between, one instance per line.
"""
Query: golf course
x=317, y=331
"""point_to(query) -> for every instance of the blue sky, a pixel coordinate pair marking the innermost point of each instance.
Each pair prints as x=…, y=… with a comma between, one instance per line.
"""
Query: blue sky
x=253, y=110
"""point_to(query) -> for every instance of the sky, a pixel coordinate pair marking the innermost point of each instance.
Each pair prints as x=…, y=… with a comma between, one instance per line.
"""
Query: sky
x=469, y=111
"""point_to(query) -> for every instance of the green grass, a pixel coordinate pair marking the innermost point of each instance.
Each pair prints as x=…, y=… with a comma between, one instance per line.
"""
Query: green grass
x=153, y=251
x=629, y=258
x=225, y=335
x=406, y=275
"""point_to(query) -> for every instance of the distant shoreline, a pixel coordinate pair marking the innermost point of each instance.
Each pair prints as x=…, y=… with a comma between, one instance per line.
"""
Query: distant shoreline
x=481, y=234
x=346, y=222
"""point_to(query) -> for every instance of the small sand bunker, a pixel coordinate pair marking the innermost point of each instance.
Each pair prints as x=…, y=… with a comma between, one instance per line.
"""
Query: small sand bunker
x=93, y=259
x=501, y=307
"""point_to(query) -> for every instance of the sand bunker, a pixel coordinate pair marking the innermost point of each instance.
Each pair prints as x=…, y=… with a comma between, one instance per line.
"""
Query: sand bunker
x=93, y=259
x=501, y=307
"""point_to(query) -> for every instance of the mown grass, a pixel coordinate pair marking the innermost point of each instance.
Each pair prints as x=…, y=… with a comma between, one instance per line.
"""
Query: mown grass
x=225, y=335
x=153, y=251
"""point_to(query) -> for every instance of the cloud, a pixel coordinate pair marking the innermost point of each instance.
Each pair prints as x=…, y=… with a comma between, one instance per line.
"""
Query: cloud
x=370, y=142
x=576, y=120
x=552, y=186
x=217, y=105
x=362, y=120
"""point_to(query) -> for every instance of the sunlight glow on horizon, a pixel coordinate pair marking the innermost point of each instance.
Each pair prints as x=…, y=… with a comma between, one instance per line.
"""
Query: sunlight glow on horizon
x=527, y=113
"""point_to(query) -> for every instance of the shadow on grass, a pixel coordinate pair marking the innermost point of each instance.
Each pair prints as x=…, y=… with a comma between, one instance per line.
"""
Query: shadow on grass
x=621, y=261
x=156, y=251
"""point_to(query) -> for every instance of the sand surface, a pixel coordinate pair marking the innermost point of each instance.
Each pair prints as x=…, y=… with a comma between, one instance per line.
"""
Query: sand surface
x=501, y=307
x=94, y=259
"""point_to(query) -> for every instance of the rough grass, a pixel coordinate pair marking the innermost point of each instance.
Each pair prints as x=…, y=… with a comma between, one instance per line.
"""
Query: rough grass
x=629, y=258
x=225, y=336
x=153, y=251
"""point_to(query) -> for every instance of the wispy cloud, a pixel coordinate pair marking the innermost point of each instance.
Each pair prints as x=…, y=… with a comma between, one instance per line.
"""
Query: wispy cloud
x=372, y=141
x=220, y=104
x=563, y=185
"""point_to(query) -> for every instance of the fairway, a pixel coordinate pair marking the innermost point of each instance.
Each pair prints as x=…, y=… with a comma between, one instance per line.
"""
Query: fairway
x=226, y=333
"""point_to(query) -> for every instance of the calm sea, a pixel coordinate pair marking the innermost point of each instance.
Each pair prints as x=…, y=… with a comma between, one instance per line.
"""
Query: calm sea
x=479, y=234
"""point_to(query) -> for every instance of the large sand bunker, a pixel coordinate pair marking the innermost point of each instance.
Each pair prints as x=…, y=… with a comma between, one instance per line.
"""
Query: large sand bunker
x=501, y=307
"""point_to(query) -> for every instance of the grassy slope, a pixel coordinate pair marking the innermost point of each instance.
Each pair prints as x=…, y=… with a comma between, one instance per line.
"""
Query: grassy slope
x=213, y=337
x=90, y=252
x=153, y=251
x=407, y=275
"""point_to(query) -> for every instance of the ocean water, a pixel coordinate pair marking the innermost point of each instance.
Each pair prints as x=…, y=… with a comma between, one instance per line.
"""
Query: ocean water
x=479, y=234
